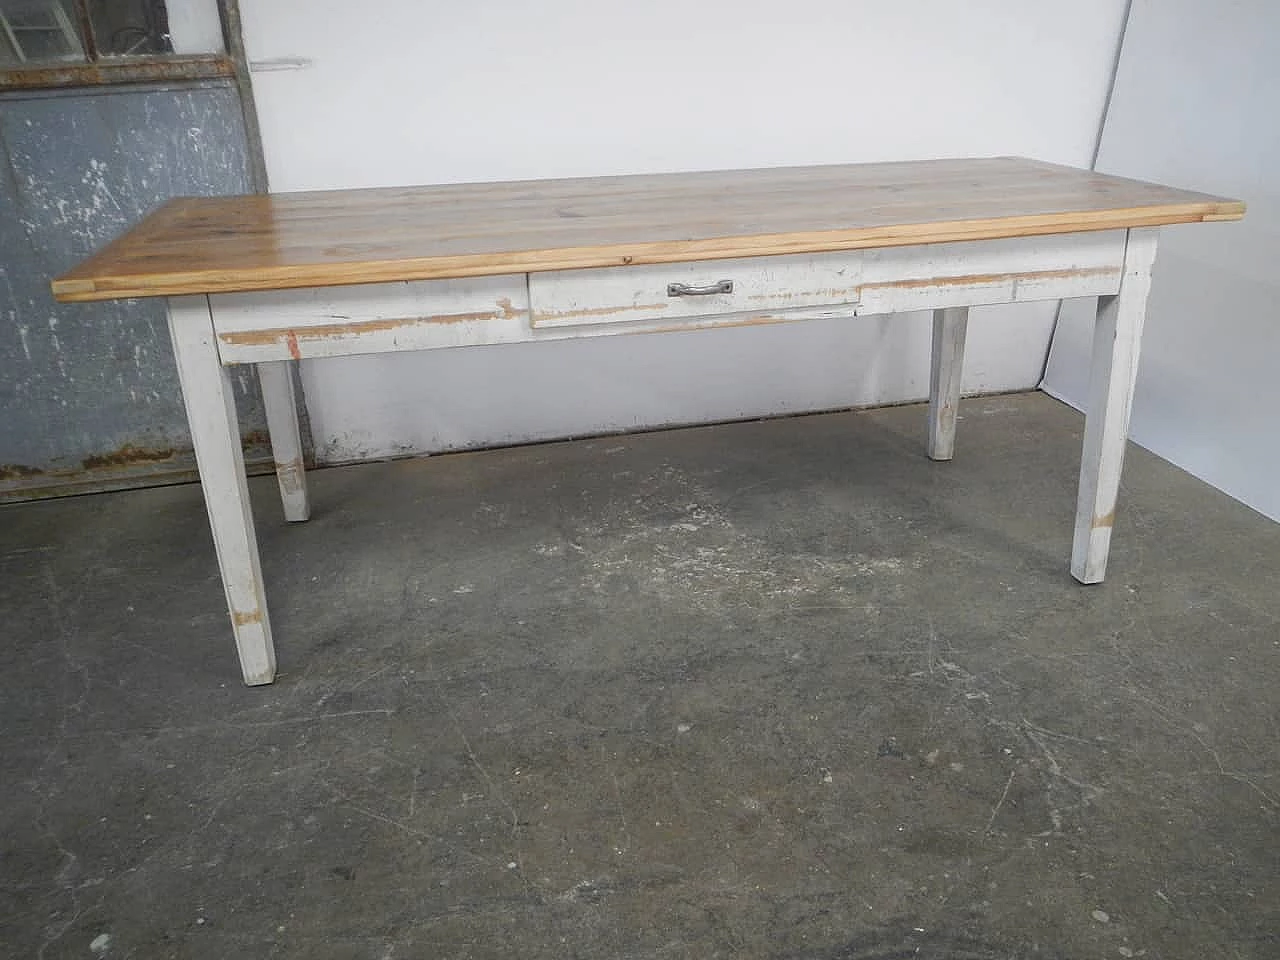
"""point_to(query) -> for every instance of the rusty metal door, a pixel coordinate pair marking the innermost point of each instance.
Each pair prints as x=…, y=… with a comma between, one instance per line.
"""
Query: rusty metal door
x=89, y=397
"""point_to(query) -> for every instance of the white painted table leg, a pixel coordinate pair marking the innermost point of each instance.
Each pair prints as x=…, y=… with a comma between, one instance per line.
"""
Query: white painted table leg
x=949, y=327
x=215, y=433
x=1117, y=334
x=276, y=378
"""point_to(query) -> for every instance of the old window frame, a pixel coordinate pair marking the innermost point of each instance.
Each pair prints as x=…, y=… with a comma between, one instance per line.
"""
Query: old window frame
x=102, y=70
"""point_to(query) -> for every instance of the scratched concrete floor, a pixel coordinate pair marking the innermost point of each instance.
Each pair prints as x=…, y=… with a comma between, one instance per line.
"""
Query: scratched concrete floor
x=774, y=690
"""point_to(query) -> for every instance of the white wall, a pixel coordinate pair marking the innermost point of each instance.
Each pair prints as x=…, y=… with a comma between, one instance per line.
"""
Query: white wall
x=402, y=91
x=1197, y=105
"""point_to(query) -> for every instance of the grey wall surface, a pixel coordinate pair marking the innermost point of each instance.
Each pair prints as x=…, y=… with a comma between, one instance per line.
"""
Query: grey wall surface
x=1195, y=106
x=89, y=396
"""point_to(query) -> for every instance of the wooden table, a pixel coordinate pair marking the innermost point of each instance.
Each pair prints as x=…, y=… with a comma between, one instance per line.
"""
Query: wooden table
x=270, y=280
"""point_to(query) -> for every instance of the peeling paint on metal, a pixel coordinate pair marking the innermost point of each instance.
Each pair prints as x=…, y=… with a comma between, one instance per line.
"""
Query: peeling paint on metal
x=102, y=72
x=15, y=471
x=126, y=456
x=90, y=390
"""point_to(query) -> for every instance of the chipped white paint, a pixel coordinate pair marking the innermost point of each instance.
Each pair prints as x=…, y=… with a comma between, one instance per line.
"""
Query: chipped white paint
x=856, y=282
x=1114, y=370
x=949, y=326
x=435, y=314
x=276, y=379
x=1019, y=270
x=211, y=412
x=370, y=318
x=575, y=298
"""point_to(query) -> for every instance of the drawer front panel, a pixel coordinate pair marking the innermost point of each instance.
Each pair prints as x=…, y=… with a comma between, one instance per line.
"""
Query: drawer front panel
x=649, y=293
x=927, y=276
x=369, y=318
x=431, y=314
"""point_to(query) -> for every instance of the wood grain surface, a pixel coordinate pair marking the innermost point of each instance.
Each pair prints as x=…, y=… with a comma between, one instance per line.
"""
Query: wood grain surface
x=280, y=241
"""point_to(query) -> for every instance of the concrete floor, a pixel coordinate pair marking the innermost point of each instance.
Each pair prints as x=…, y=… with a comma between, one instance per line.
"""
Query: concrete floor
x=780, y=689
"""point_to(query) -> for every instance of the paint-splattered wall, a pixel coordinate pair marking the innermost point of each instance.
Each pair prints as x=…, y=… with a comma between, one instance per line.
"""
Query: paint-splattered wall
x=89, y=397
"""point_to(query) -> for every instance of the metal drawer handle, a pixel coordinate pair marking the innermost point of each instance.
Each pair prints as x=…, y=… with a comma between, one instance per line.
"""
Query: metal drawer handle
x=684, y=290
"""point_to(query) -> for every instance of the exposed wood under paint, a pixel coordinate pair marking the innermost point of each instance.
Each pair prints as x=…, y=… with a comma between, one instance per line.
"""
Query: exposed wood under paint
x=1117, y=337
x=435, y=314
x=325, y=331
x=547, y=316
x=975, y=279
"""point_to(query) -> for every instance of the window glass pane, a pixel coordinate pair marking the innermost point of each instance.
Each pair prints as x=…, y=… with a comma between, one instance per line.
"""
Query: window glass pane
x=195, y=27
x=38, y=31
x=130, y=28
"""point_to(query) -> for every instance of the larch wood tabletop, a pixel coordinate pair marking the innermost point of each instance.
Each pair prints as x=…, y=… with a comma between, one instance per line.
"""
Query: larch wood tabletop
x=227, y=244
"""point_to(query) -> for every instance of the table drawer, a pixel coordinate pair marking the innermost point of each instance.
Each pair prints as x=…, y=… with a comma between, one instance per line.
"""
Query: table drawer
x=676, y=291
x=369, y=318
x=976, y=272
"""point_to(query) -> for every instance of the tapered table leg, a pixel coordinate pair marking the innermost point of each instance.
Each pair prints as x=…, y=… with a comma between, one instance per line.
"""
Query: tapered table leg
x=215, y=434
x=1117, y=334
x=276, y=378
x=949, y=327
